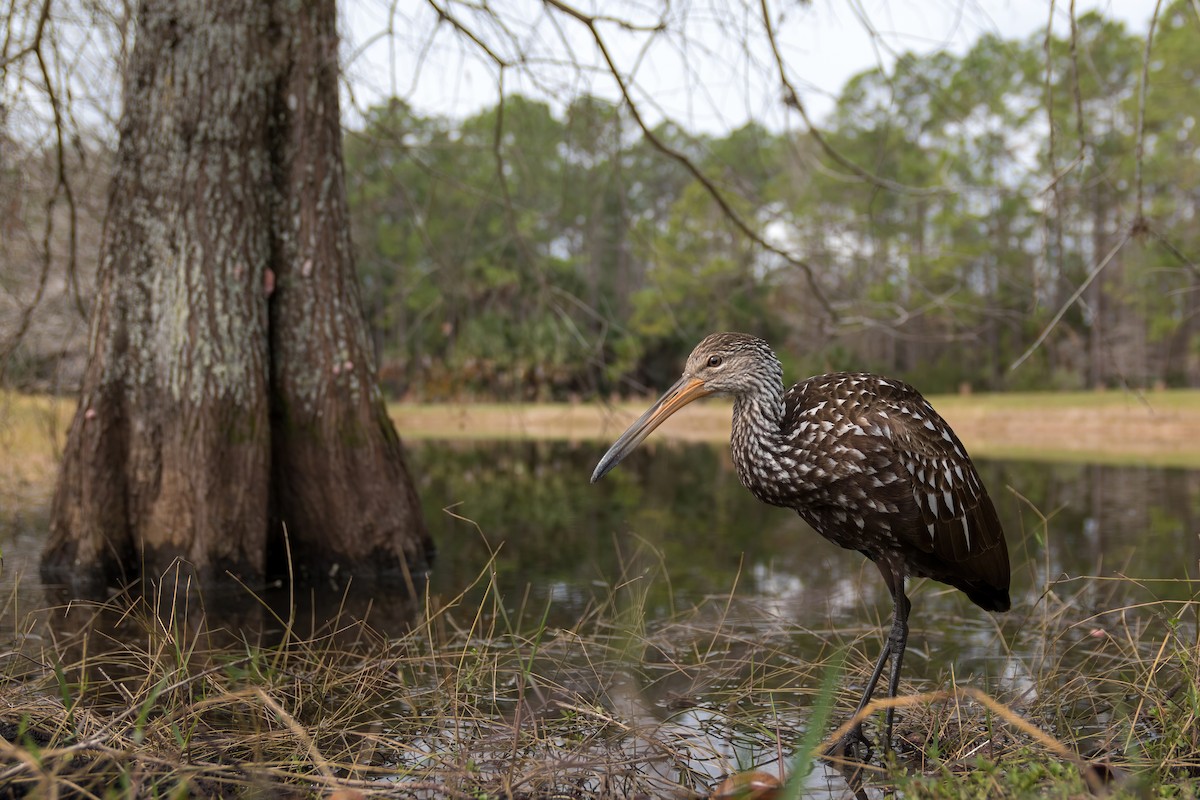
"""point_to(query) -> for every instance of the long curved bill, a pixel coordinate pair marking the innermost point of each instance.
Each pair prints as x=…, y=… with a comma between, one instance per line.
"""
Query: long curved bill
x=683, y=392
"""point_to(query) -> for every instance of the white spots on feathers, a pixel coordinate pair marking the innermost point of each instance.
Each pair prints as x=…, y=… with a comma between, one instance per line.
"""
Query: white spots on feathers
x=834, y=446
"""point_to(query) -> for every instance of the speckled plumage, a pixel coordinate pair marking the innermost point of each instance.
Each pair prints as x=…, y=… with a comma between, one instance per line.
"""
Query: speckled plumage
x=865, y=460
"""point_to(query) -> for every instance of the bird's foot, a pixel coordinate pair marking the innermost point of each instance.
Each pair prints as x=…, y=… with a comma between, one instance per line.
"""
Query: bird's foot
x=848, y=755
x=852, y=746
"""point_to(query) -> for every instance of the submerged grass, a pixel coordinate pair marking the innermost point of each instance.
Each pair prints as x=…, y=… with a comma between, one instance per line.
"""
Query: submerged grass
x=478, y=698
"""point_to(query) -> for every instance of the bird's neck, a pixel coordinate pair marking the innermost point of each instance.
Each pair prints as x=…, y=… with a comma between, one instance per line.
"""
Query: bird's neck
x=761, y=412
x=756, y=442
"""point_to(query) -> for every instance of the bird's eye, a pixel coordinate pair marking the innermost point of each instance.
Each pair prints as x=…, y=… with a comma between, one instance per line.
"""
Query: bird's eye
x=714, y=361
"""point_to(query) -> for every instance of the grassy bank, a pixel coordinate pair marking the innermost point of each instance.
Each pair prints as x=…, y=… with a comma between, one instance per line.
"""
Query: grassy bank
x=1158, y=428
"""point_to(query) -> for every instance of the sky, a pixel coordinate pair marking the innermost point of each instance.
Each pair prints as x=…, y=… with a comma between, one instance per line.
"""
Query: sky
x=707, y=65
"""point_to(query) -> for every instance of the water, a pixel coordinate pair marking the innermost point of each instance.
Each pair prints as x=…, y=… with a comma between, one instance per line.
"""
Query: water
x=681, y=509
x=672, y=541
x=675, y=520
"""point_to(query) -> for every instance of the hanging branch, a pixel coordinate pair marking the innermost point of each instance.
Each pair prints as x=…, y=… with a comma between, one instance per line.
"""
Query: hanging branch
x=1050, y=154
x=711, y=188
x=792, y=99
x=62, y=188
x=1075, y=87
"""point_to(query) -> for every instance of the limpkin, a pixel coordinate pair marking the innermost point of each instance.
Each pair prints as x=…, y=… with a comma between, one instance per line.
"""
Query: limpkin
x=866, y=462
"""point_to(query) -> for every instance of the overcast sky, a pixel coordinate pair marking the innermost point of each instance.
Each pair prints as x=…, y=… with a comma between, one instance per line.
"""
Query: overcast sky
x=711, y=70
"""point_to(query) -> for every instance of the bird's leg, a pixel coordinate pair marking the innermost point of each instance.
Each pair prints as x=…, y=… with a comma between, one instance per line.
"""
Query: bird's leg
x=847, y=745
x=897, y=641
x=870, y=690
x=893, y=646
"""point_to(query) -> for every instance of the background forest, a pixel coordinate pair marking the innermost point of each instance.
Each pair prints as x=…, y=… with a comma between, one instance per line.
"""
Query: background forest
x=948, y=212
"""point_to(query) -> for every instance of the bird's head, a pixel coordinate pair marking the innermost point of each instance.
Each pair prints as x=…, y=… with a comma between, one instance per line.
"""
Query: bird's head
x=733, y=364
x=723, y=364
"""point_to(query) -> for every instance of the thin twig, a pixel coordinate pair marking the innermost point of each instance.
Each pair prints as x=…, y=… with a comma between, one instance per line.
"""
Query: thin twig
x=1096, y=270
x=62, y=187
x=1140, y=148
x=1077, y=91
x=1056, y=229
x=443, y=14
x=1188, y=263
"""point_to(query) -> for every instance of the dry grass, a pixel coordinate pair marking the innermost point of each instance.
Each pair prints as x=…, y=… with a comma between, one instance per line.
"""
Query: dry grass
x=480, y=699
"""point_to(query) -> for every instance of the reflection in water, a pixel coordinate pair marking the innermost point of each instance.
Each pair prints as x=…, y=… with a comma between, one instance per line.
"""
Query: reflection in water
x=527, y=511
x=686, y=582
x=682, y=510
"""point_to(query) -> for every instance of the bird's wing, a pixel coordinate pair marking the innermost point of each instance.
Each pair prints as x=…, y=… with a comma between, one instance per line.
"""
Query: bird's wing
x=958, y=522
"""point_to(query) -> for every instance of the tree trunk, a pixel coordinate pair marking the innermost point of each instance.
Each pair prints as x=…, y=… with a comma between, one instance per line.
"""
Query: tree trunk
x=230, y=396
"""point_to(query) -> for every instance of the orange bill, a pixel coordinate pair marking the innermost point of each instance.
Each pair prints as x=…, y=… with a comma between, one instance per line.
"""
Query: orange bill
x=684, y=391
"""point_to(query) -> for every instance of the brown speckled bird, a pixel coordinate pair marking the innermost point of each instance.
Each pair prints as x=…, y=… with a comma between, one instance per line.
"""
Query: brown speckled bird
x=864, y=460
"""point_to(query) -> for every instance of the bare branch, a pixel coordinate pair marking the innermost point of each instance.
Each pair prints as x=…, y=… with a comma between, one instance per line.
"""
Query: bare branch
x=62, y=187
x=60, y=151
x=1051, y=157
x=1187, y=263
x=443, y=14
x=1077, y=90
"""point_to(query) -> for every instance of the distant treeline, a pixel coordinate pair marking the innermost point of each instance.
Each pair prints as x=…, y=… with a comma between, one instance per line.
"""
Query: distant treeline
x=947, y=211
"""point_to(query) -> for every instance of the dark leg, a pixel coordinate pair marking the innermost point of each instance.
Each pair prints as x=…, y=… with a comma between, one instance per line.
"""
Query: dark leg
x=893, y=645
x=897, y=641
x=883, y=657
x=847, y=746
